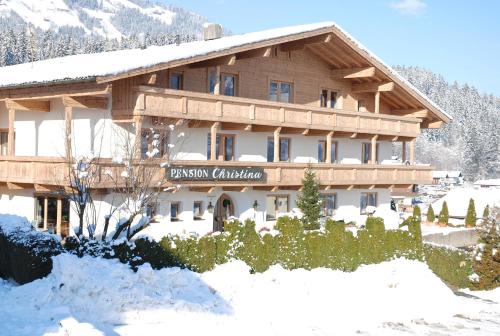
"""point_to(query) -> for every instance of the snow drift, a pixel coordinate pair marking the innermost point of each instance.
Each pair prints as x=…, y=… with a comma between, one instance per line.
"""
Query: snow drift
x=92, y=296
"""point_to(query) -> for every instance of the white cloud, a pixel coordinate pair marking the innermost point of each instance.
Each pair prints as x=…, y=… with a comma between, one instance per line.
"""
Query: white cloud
x=409, y=7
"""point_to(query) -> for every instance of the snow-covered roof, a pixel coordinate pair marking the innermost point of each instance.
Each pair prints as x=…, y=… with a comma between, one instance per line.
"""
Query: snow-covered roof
x=91, y=66
x=446, y=173
x=490, y=182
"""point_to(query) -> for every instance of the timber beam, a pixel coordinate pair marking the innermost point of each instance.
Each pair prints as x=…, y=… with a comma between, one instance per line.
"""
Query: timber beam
x=300, y=44
x=224, y=60
x=28, y=105
x=90, y=102
x=261, y=52
x=417, y=113
x=353, y=73
x=433, y=124
x=373, y=87
x=55, y=91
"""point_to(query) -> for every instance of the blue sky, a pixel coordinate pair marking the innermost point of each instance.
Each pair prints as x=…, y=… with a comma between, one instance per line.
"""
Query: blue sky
x=457, y=38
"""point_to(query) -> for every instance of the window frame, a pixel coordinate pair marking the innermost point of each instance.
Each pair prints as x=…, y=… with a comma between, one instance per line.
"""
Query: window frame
x=335, y=201
x=6, y=144
x=361, y=104
x=328, y=99
x=278, y=92
x=333, y=157
x=200, y=216
x=362, y=210
x=223, y=83
x=175, y=73
x=178, y=204
x=276, y=196
x=220, y=148
x=164, y=138
x=271, y=139
x=363, y=150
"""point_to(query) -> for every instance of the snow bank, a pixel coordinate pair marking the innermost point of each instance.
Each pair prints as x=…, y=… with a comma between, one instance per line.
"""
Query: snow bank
x=95, y=296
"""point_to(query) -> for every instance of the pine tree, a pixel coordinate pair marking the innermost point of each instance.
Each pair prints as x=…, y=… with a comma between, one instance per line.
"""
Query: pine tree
x=431, y=217
x=470, y=218
x=417, y=213
x=486, y=260
x=443, y=215
x=486, y=213
x=308, y=200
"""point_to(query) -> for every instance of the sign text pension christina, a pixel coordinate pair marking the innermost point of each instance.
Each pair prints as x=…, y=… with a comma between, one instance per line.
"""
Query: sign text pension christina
x=215, y=174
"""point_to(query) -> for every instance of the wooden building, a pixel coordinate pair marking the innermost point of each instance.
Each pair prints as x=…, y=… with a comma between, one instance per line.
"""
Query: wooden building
x=275, y=102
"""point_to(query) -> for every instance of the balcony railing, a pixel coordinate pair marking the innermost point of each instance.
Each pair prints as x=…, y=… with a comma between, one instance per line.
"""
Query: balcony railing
x=54, y=171
x=160, y=102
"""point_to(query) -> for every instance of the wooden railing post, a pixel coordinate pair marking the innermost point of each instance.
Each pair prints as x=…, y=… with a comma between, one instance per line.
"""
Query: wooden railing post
x=373, y=154
x=329, y=147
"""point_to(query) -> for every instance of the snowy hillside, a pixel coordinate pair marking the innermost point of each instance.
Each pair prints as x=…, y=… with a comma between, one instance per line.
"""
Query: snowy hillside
x=471, y=143
x=111, y=19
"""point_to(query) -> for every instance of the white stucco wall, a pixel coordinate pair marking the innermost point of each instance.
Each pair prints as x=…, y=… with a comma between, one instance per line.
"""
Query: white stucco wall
x=17, y=202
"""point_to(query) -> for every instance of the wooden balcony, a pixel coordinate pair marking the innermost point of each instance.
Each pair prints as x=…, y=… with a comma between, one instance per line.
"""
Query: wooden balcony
x=189, y=105
x=40, y=172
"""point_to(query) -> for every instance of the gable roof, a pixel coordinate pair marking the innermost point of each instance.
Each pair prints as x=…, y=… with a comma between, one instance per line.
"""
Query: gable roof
x=107, y=66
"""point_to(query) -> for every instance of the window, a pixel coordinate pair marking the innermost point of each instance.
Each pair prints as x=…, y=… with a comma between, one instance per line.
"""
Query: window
x=154, y=143
x=197, y=210
x=284, y=149
x=4, y=140
x=151, y=210
x=229, y=84
x=328, y=98
x=322, y=151
x=366, y=153
x=367, y=199
x=328, y=204
x=224, y=147
x=175, y=209
x=176, y=81
x=361, y=105
x=212, y=78
x=281, y=92
x=276, y=204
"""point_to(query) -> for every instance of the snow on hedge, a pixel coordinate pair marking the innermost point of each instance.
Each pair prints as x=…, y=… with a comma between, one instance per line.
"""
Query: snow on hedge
x=91, y=296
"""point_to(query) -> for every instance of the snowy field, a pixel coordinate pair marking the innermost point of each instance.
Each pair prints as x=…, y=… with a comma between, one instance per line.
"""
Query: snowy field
x=103, y=297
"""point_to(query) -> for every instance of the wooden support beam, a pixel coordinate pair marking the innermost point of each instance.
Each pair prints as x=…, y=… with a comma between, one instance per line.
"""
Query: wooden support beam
x=434, y=124
x=261, y=52
x=90, y=102
x=45, y=213
x=300, y=44
x=28, y=105
x=11, y=145
x=59, y=216
x=213, y=141
x=54, y=91
x=248, y=128
x=373, y=87
x=217, y=86
x=328, y=154
x=403, y=151
x=138, y=135
x=16, y=186
x=68, y=126
x=276, y=153
x=224, y=60
x=353, y=135
x=41, y=188
x=275, y=189
x=373, y=150
x=349, y=73
x=417, y=113
x=412, y=151
x=350, y=187
x=377, y=102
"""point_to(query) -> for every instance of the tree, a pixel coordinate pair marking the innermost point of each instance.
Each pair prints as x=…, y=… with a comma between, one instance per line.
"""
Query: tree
x=486, y=213
x=308, y=200
x=470, y=218
x=417, y=214
x=443, y=215
x=486, y=259
x=431, y=217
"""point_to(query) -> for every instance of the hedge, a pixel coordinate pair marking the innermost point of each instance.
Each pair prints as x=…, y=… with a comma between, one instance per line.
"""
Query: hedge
x=453, y=266
x=25, y=254
x=292, y=247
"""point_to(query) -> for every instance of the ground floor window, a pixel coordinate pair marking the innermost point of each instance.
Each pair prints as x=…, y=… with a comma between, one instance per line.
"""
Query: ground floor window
x=197, y=210
x=367, y=199
x=276, y=204
x=52, y=214
x=175, y=209
x=328, y=204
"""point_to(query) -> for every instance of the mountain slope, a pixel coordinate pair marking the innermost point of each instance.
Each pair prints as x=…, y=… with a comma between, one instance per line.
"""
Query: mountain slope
x=471, y=142
x=110, y=19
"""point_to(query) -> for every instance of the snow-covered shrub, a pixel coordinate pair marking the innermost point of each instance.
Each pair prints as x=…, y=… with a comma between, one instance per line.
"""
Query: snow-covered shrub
x=25, y=253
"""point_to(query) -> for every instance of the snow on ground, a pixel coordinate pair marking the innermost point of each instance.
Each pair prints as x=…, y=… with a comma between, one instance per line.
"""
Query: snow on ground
x=458, y=200
x=103, y=297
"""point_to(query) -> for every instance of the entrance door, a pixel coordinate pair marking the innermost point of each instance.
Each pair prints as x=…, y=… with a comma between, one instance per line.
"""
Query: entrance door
x=224, y=208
